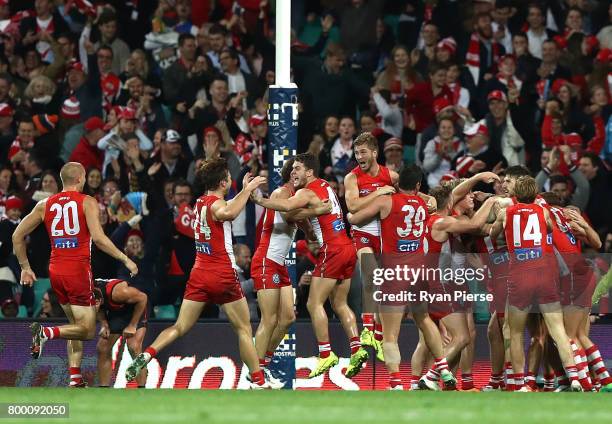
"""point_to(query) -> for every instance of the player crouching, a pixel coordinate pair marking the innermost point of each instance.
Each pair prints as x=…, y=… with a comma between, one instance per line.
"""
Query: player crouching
x=122, y=310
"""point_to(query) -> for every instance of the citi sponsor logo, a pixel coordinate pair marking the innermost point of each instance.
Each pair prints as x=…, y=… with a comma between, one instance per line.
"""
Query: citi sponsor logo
x=338, y=225
x=499, y=258
x=408, y=246
x=523, y=255
x=202, y=247
x=65, y=242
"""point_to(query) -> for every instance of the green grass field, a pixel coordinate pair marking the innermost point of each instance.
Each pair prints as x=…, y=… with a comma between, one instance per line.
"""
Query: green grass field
x=220, y=406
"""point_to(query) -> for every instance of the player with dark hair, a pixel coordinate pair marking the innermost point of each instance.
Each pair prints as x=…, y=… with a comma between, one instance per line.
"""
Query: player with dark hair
x=270, y=275
x=403, y=221
x=213, y=244
x=71, y=219
x=532, y=277
x=367, y=181
x=331, y=277
x=122, y=311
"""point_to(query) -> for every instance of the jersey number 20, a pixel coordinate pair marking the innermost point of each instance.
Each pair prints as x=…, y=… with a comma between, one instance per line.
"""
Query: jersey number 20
x=68, y=212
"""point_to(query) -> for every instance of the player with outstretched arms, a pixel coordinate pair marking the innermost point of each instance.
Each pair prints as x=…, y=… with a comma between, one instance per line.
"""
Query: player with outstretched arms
x=71, y=219
x=532, y=279
x=403, y=220
x=367, y=181
x=213, y=277
x=331, y=278
x=270, y=274
x=122, y=311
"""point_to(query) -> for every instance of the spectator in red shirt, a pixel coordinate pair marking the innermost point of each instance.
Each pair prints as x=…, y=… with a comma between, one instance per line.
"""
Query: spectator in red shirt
x=87, y=152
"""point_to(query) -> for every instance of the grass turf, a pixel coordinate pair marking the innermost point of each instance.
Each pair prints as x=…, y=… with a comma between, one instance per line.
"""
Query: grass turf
x=267, y=407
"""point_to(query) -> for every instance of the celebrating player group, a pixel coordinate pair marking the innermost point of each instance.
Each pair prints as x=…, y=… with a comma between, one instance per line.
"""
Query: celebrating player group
x=529, y=246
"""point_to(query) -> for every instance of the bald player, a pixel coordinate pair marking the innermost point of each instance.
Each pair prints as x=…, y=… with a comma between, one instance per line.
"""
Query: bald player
x=71, y=219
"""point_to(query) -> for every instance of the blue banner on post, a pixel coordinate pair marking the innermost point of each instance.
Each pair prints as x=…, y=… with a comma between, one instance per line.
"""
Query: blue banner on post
x=282, y=131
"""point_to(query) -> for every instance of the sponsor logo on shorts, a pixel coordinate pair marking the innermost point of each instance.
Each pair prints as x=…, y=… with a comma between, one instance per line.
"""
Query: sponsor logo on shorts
x=365, y=240
x=65, y=242
x=523, y=255
x=276, y=279
x=408, y=245
x=202, y=247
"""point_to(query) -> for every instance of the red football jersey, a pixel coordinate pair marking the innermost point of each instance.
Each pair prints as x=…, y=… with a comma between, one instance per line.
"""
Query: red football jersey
x=213, y=239
x=329, y=228
x=366, y=184
x=276, y=236
x=562, y=236
x=404, y=230
x=526, y=235
x=68, y=232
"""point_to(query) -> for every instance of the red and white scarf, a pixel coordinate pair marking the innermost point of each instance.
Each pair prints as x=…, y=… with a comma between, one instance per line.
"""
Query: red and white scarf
x=455, y=89
x=512, y=82
x=472, y=58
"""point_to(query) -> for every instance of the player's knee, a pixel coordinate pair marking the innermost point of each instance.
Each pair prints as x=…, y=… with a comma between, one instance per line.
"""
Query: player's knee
x=286, y=319
x=270, y=320
x=311, y=305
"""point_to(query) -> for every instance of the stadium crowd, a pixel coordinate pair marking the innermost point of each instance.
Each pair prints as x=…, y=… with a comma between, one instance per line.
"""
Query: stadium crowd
x=141, y=92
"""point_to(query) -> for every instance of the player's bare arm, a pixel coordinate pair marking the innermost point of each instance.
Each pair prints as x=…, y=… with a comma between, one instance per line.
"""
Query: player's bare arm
x=498, y=226
x=303, y=198
x=90, y=208
x=466, y=186
x=354, y=203
x=25, y=227
x=371, y=211
x=297, y=215
x=582, y=229
x=124, y=294
x=228, y=211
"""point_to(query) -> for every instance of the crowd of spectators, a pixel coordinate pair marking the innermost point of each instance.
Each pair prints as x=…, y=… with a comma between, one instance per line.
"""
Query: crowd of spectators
x=142, y=91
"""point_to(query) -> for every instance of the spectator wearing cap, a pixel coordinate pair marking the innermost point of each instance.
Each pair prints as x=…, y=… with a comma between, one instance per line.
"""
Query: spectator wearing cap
x=328, y=88
x=71, y=110
x=87, y=152
x=170, y=163
x=107, y=27
x=45, y=136
x=47, y=20
x=238, y=81
x=506, y=79
x=184, y=78
x=248, y=144
x=394, y=154
x=552, y=175
x=503, y=135
x=114, y=142
x=477, y=156
x=85, y=85
x=7, y=128
x=440, y=151
x=446, y=50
